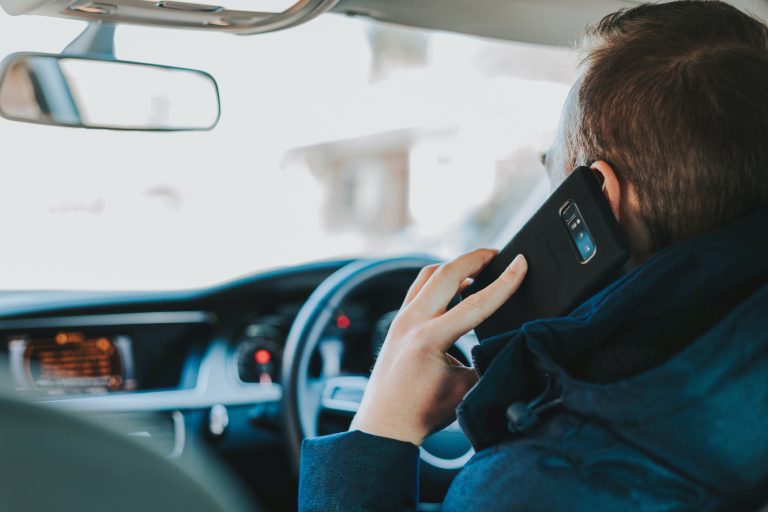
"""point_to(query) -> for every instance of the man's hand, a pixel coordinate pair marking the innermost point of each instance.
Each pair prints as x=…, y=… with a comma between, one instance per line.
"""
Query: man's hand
x=415, y=385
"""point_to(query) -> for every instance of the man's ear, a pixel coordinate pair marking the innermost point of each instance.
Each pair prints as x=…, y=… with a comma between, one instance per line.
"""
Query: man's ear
x=611, y=186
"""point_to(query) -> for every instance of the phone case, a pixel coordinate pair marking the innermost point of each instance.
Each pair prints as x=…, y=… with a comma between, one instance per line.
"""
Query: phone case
x=557, y=279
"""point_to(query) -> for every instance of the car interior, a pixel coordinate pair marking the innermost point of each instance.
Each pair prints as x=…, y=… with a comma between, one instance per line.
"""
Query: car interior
x=241, y=198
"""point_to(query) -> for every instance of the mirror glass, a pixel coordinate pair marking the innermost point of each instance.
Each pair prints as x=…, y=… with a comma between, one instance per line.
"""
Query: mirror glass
x=90, y=93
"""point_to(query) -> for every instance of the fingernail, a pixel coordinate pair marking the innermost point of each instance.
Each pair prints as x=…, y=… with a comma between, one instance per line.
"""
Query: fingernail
x=519, y=264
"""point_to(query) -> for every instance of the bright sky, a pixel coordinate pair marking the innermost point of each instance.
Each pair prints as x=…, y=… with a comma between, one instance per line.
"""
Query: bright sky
x=85, y=209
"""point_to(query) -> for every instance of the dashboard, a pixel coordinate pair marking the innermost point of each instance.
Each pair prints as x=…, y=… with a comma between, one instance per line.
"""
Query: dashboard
x=94, y=355
x=194, y=370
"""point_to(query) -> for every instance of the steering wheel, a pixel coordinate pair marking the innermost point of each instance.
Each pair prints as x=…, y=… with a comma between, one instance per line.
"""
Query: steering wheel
x=306, y=397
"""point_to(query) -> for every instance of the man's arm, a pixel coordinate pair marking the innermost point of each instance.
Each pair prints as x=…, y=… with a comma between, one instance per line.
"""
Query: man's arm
x=413, y=391
x=355, y=471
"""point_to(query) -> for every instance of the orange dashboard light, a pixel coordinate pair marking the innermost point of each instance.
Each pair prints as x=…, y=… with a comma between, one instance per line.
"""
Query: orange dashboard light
x=63, y=338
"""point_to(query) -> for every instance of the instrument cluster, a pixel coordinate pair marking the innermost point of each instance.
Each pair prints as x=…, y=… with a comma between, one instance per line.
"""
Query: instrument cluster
x=258, y=353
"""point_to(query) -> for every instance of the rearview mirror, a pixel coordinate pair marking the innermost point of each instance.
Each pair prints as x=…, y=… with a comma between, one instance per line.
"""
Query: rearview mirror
x=88, y=92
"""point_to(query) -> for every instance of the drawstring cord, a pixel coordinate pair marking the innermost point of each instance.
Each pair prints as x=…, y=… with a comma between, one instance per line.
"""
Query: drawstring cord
x=523, y=417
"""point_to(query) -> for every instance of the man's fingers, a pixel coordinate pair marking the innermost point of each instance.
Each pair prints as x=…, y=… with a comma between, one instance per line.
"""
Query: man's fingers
x=465, y=284
x=446, y=280
x=424, y=275
x=453, y=360
x=471, y=312
x=467, y=377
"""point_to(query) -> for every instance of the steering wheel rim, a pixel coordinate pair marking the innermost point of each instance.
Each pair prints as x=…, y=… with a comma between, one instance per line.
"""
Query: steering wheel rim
x=308, y=328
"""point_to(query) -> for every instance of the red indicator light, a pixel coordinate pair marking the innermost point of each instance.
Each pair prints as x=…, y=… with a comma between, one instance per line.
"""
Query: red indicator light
x=343, y=321
x=262, y=356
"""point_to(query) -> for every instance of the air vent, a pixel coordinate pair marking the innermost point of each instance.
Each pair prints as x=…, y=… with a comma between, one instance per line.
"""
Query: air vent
x=162, y=432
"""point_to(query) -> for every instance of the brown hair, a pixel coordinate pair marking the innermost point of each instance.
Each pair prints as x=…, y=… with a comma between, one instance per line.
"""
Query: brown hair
x=675, y=97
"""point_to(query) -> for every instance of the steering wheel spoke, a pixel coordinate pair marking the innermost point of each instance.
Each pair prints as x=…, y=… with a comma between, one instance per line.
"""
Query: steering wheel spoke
x=343, y=394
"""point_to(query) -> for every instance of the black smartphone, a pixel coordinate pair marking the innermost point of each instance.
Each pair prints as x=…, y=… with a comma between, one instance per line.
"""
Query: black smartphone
x=573, y=245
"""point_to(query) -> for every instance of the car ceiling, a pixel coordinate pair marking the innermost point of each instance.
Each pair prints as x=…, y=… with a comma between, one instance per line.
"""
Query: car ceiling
x=551, y=22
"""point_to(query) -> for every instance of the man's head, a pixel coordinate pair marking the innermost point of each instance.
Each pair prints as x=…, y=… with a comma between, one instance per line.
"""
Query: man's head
x=672, y=109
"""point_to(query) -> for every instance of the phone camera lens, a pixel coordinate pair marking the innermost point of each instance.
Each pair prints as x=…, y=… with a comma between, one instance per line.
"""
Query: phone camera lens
x=578, y=232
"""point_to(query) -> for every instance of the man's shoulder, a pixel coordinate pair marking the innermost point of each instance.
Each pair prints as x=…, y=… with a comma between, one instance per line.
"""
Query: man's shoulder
x=569, y=464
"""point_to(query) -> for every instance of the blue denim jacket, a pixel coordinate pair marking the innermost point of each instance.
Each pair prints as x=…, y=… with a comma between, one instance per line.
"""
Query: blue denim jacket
x=690, y=433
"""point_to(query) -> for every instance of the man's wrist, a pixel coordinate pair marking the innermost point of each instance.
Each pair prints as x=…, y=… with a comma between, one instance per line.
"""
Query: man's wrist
x=398, y=433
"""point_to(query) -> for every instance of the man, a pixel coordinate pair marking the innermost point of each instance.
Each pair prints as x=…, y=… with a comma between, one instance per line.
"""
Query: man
x=653, y=395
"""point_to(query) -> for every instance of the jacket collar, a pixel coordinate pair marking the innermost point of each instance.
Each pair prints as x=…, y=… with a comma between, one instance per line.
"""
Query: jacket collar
x=697, y=272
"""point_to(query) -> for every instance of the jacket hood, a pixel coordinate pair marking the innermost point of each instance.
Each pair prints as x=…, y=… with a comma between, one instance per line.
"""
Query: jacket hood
x=703, y=411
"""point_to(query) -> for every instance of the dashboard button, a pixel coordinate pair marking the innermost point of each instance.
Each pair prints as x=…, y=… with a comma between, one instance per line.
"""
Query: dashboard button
x=218, y=419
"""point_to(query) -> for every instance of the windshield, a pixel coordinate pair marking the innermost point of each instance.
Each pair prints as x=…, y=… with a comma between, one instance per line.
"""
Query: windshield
x=339, y=138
